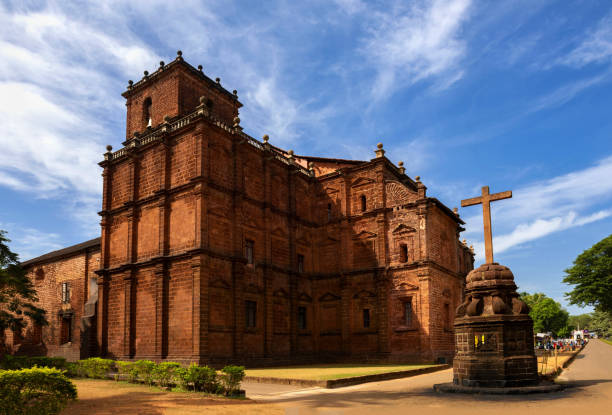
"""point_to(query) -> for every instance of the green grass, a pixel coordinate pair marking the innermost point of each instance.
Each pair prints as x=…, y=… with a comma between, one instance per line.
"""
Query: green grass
x=607, y=341
x=329, y=372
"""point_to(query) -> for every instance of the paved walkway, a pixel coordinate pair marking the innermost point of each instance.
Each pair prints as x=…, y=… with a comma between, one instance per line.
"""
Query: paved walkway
x=590, y=377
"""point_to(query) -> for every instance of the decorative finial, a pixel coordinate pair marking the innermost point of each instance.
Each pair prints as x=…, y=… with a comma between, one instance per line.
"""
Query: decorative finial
x=109, y=148
x=146, y=73
x=235, y=92
x=402, y=169
x=290, y=152
x=218, y=80
x=456, y=211
x=200, y=68
x=236, y=122
x=179, y=53
x=162, y=64
x=310, y=165
x=130, y=83
x=266, y=138
x=167, y=118
x=202, y=100
x=472, y=248
x=380, y=152
x=418, y=179
x=464, y=242
x=380, y=146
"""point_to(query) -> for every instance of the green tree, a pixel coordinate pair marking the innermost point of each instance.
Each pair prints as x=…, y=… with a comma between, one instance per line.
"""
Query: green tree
x=17, y=293
x=581, y=321
x=547, y=314
x=591, y=277
x=601, y=323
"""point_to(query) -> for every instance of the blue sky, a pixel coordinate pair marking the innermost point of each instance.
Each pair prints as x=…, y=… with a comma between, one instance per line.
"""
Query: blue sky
x=511, y=94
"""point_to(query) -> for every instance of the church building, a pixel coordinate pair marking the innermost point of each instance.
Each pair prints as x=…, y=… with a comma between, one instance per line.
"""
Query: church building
x=216, y=247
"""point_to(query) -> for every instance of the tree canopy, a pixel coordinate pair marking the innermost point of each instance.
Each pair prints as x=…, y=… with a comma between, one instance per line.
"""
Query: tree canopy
x=547, y=314
x=17, y=293
x=591, y=277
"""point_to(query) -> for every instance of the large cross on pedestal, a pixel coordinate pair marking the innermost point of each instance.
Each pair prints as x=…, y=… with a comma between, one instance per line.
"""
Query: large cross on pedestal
x=486, y=200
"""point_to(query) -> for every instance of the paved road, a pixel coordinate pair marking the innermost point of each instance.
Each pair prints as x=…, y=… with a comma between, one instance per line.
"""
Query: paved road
x=590, y=377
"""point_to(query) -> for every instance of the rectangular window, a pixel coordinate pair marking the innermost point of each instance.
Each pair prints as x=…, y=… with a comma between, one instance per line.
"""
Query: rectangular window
x=302, y=318
x=403, y=253
x=447, y=317
x=300, y=263
x=329, y=212
x=408, y=312
x=366, y=318
x=66, y=330
x=248, y=251
x=65, y=293
x=250, y=314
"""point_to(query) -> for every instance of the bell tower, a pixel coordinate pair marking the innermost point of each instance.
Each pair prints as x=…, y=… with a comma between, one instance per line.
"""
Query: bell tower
x=174, y=90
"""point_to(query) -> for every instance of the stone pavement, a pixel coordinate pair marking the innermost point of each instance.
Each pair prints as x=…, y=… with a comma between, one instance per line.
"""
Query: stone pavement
x=589, y=379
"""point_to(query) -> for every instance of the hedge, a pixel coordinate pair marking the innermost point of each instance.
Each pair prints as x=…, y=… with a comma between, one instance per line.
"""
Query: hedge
x=34, y=391
x=25, y=362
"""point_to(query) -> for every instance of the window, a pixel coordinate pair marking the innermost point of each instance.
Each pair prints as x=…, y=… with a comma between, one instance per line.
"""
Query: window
x=146, y=112
x=408, y=312
x=300, y=263
x=329, y=212
x=66, y=329
x=65, y=293
x=366, y=318
x=363, y=203
x=250, y=314
x=403, y=253
x=249, y=247
x=302, y=318
x=447, y=317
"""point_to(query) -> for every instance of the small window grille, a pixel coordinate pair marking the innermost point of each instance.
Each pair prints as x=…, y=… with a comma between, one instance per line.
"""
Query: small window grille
x=249, y=248
x=65, y=293
x=408, y=312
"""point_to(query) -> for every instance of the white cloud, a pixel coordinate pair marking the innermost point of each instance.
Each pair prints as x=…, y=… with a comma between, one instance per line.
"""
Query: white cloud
x=29, y=242
x=595, y=48
x=421, y=42
x=546, y=207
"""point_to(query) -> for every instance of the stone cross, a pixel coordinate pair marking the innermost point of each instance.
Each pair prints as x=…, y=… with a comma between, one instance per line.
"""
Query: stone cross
x=486, y=200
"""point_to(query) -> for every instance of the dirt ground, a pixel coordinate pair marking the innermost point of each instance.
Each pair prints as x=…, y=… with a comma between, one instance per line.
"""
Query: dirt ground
x=106, y=397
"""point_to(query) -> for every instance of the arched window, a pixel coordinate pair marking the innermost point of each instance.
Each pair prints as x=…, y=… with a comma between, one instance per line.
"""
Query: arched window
x=363, y=203
x=146, y=112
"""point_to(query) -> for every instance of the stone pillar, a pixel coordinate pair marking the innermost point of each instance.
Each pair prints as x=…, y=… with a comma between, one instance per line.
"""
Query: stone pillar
x=161, y=311
x=200, y=309
x=382, y=297
x=128, y=320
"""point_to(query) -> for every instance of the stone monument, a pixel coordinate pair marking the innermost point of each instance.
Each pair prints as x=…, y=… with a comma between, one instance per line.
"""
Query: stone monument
x=493, y=330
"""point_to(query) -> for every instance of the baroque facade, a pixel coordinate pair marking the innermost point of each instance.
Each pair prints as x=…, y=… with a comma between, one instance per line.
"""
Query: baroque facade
x=217, y=247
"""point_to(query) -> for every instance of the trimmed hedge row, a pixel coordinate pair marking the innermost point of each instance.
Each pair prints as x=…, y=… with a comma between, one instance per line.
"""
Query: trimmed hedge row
x=164, y=374
x=9, y=362
x=34, y=391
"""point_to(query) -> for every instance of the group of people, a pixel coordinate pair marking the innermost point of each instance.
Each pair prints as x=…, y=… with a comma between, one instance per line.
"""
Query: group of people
x=561, y=344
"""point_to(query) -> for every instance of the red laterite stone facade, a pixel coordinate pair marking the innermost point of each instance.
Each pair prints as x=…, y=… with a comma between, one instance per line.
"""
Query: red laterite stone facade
x=217, y=248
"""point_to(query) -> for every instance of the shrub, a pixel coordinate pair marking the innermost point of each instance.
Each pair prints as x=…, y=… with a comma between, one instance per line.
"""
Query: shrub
x=35, y=391
x=231, y=377
x=96, y=367
x=164, y=372
x=199, y=378
x=25, y=362
x=144, y=369
x=129, y=369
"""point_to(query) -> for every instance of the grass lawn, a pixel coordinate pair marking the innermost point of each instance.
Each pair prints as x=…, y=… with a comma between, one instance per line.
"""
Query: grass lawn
x=607, y=341
x=106, y=397
x=329, y=372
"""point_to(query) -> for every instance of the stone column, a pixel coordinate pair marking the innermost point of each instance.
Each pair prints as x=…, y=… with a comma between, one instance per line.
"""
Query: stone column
x=161, y=311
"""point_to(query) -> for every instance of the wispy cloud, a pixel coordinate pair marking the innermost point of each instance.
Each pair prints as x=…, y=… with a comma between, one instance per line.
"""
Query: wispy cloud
x=596, y=46
x=417, y=42
x=549, y=206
